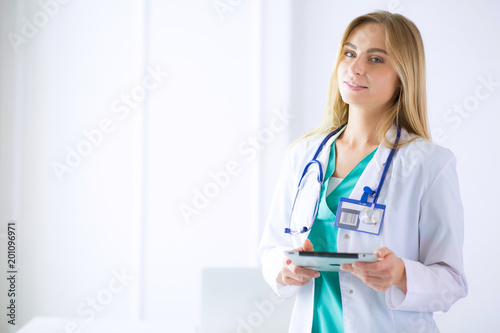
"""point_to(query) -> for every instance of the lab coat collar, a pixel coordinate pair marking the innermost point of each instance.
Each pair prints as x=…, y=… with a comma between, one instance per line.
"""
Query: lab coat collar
x=380, y=155
x=382, y=152
x=373, y=171
x=324, y=155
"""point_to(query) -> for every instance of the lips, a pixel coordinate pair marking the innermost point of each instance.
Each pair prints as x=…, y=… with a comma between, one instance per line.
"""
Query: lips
x=354, y=84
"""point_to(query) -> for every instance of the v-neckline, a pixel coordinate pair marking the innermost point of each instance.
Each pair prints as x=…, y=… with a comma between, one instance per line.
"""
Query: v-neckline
x=333, y=160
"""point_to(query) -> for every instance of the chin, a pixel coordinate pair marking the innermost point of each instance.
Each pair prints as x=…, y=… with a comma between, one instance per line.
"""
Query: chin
x=353, y=100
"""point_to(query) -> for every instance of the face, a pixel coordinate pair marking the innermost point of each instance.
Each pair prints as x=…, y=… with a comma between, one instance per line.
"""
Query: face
x=367, y=78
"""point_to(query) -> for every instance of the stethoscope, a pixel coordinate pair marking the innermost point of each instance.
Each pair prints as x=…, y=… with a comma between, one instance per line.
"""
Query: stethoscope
x=369, y=215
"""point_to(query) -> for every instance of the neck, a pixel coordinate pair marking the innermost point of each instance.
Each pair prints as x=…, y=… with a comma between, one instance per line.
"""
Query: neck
x=361, y=129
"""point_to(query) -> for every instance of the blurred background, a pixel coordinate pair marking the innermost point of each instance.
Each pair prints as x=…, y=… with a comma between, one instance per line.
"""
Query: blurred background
x=141, y=140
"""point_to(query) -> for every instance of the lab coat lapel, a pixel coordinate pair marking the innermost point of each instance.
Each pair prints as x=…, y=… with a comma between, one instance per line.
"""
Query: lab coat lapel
x=373, y=171
x=325, y=152
x=322, y=158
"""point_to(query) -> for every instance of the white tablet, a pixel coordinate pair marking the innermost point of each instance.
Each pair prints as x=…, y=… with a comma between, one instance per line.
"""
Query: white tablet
x=327, y=261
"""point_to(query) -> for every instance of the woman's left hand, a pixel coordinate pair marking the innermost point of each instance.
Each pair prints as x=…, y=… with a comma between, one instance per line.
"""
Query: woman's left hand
x=380, y=275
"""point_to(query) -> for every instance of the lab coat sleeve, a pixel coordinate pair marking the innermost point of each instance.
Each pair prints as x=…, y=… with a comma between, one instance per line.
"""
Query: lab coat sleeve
x=274, y=241
x=437, y=279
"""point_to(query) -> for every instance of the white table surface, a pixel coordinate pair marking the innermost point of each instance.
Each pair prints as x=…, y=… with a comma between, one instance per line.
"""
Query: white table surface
x=45, y=324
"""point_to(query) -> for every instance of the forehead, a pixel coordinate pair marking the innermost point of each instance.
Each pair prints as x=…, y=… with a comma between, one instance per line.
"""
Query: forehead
x=368, y=35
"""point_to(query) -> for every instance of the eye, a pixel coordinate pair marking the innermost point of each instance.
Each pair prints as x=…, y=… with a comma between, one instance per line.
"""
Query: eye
x=349, y=54
x=376, y=60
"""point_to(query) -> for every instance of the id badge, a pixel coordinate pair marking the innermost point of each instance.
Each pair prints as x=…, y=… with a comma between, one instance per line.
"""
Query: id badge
x=359, y=216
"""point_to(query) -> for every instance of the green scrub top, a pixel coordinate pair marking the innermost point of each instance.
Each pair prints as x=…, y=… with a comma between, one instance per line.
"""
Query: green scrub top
x=327, y=316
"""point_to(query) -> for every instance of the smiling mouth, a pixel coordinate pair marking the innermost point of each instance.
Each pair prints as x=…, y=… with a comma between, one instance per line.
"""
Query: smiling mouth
x=354, y=85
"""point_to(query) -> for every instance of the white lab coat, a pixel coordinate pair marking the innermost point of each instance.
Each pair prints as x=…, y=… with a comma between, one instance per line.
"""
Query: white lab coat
x=423, y=225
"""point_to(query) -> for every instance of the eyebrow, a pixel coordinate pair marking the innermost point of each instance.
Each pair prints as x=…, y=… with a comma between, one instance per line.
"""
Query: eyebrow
x=369, y=50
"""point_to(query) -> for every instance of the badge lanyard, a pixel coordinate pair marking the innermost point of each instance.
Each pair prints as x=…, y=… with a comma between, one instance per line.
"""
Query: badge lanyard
x=361, y=215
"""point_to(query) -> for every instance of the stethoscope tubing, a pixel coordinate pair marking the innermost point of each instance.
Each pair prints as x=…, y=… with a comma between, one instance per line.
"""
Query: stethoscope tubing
x=386, y=167
x=321, y=174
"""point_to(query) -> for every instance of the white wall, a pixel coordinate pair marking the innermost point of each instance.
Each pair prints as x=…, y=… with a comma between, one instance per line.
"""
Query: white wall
x=192, y=133
x=119, y=208
x=75, y=229
x=227, y=75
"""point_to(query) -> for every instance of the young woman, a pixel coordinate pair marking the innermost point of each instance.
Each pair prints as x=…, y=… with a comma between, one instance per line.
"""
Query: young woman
x=377, y=112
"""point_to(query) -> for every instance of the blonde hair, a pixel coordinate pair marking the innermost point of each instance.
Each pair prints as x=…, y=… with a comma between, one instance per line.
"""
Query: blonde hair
x=409, y=107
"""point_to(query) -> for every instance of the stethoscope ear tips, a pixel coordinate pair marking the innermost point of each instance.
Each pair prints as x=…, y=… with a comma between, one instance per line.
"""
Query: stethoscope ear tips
x=304, y=229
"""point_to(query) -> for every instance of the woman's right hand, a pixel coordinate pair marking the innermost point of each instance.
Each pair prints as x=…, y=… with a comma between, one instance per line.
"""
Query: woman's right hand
x=293, y=275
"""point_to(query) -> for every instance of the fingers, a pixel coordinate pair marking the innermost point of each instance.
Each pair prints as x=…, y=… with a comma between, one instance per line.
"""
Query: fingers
x=296, y=280
x=382, y=252
x=370, y=267
x=288, y=281
x=363, y=269
x=294, y=275
x=380, y=268
x=380, y=275
x=302, y=272
x=347, y=268
x=307, y=246
x=376, y=279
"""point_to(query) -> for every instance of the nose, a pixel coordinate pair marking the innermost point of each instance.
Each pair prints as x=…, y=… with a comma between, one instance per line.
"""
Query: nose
x=357, y=67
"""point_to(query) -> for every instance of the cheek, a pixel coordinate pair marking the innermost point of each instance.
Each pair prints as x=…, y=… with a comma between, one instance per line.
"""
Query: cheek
x=388, y=83
x=340, y=71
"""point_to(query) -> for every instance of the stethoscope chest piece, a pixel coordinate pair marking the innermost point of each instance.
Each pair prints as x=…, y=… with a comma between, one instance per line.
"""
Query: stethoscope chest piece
x=371, y=216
